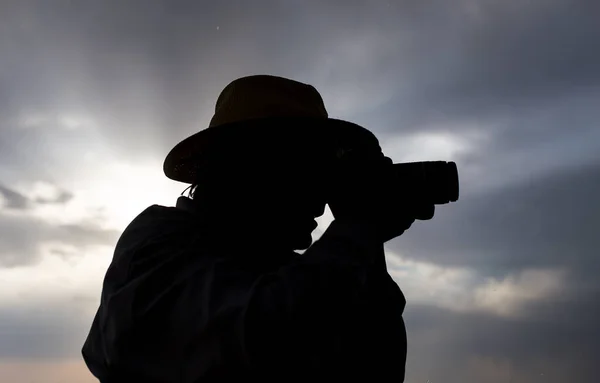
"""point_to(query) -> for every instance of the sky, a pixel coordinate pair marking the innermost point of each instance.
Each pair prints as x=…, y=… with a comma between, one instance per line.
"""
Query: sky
x=501, y=286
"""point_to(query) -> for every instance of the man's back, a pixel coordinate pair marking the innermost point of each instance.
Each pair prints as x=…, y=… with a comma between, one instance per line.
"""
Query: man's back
x=182, y=304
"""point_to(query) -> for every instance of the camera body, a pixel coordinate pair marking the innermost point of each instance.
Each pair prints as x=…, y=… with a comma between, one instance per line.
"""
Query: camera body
x=433, y=182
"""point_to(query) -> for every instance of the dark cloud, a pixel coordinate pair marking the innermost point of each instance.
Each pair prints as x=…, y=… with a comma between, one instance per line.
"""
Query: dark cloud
x=14, y=199
x=62, y=197
x=545, y=221
x=18, y=201
x=150, y=76
x=489, y=59
x=559, y=342
x=22, y=236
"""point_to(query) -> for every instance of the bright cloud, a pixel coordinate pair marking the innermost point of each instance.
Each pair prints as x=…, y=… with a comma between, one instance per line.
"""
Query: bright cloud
x=63, y=273
x=462, y=289
x=69, y=121
x=509, y=295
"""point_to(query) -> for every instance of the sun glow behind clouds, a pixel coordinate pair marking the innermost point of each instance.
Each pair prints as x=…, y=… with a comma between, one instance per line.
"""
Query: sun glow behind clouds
x=123, y=190
x=110, y=195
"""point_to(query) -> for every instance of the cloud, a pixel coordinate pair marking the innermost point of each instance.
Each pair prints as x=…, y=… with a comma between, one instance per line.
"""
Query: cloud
x=146, y=82
x=23, y=238
x=12, y=199
x=47, y=311
x=46, y=152
x=515, y=292
x=507, y=89
x=548, y=221
x=26, y=232
x=464, y=289
x=140, y=85
x=554, y=345
x=514, y=55
x=51, y=370
x=62, y=121
x=53, y=331
x=63, y=197
x=45, y=193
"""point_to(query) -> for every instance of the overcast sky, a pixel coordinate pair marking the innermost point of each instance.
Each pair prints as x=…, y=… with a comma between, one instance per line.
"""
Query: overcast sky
x=501, y=286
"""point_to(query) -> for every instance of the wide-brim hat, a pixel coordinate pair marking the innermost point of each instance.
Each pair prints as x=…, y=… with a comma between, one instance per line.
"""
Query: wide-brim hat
x=252, y=103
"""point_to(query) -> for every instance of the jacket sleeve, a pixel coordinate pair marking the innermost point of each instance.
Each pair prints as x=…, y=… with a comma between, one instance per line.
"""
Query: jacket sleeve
x=330, y=299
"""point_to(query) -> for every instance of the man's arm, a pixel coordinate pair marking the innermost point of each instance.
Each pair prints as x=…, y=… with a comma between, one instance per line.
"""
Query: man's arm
x=301, y=315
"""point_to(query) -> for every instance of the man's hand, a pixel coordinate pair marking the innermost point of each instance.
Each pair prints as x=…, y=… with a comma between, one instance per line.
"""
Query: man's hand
x=364, y=190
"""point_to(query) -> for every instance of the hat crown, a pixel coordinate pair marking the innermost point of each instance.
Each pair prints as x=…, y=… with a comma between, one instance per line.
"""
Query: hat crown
x=265, y=96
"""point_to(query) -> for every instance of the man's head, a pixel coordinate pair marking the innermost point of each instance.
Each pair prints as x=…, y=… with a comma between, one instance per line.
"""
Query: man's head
x=265, y=156
x=270, y=182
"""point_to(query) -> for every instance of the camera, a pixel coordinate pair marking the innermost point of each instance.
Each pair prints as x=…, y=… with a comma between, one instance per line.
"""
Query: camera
x=430, y=181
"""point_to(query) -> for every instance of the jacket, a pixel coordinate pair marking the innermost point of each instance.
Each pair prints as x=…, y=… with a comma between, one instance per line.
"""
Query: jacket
x=180, y=304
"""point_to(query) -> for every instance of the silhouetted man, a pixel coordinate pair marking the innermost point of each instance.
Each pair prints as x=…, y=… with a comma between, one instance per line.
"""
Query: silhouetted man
x=212, y=290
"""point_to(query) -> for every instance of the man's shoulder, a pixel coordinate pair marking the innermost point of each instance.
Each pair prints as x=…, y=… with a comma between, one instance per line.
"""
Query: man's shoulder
x=155, y=229
x=157, y=219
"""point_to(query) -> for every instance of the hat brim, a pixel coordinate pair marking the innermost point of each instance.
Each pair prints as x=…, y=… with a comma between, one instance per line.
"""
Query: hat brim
x=182, y=162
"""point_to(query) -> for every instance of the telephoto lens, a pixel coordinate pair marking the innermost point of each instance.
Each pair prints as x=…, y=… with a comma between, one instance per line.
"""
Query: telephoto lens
x=431, y=181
